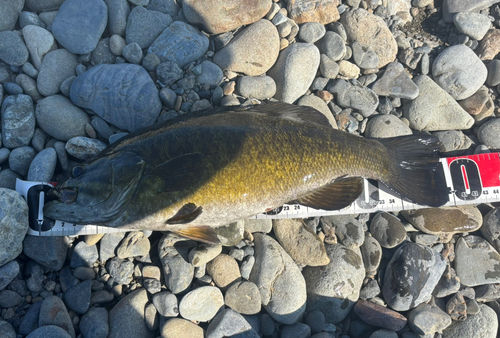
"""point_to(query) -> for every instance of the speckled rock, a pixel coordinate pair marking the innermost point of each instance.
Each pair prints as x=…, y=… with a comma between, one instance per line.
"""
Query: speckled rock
x=224, y=270
x=13, y=224
x=84, y=148
x=51, y=331
x=243, y=297
x=18, y=121
x=371, y=251
x=43, y=165
x=9, y=12
x=388, y=230
x=475, y=25
x=362, y=99
x=126, y=319
x=13, y=51
x=489, y=46
x=322, y=11
x=482, y=325
x=488, y=134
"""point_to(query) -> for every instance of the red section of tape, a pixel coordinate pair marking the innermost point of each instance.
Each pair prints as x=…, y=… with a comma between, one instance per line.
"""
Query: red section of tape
x=489, y=167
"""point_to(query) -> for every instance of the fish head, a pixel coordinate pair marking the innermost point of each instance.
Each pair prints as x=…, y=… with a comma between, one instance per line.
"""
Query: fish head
x=98, y=191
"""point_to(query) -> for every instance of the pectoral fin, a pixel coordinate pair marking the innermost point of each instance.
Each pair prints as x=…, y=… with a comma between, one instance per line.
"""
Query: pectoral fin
x=333, y=196
x=188, y=213
x=199, y=233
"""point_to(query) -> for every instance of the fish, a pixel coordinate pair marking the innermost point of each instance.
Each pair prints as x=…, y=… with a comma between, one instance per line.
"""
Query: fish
x=222, y=165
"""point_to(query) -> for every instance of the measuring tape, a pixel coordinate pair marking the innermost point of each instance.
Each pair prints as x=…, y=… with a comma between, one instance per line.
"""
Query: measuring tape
x=470, y=179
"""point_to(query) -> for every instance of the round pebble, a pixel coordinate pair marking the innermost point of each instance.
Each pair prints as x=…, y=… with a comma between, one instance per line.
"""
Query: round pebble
x=243, y=297
x=488, y=133
x=201, y=304
x=224, y=270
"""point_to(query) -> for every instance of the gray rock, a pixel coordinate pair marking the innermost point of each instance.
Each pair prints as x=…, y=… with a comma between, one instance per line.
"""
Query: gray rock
x=35, y=271
x=102, y=54
x=51, y=331
x=166, y=304
x=4, y=154
x=434, y=109
x=256, y=87
x=78, y=297
x=362, y=99
x=82, y=38
x=459, y=71
x=247, y=266
x=482, y=325
x=180, y=43
x=364, y=56
x=62, y=155
x=422, y=263
x=229, y=323
x=43, y=6
x=133, y=53
x=201, y=304
x=39, y=42
x=108, y=245
x=20, y=159
x=13, y=51
x=169, y=7
x=118, y=12
x=43, y=165
x=56, y=67
x=168, y=72
x=230, y=234
x=133, y=245
x=53, y=312
x=451, y=140
x=282, y=286
x=329, y=68
x=224, y=270
x=151, y=317
x=84, y=255
x=178, y=272
x=471, y=250
x=258, y=225
x=101, y=127
x=150, y=62
x=18, y=121
x=9, y=12
x=30, y=18
x=203, y=254
x=382, y=126
x=94, y=323
x=293, y=76
x=47, y=251
x=12, y=88
x=84, y=148
x=371, y=252
x=348, y=230
x=116, y=44
x=211, y=74
x=8, y=179
x=316, y=321
x=6, y=330
x=144, y=26
x=474, y=25
x=493, y=78
x=333, y=289
x=320, y=105
x=8, y=272
x=297, y=330
x=121, y=270
x=29, y=86
x=332, y=45
x=387, y=230
x=13, y=224
x=66, y=85
x=9, y=298
x=126, y=319
x=123, y=95
x=428, y=319
x=30, y=70
x=488, y=134
x=311, y=32
x=243, y=297
x=491, y=227
x=395, y=82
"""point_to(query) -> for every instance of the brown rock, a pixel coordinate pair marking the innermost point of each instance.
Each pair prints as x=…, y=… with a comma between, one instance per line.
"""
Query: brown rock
x=480, y=105
x=490, y=45
x=304, y=246
x=181, y=328
x=224, y=270
x=219, y=16
x=92, y=239
x=370, y=30
x=456, y=307
x=378, y=315
x=322, y=11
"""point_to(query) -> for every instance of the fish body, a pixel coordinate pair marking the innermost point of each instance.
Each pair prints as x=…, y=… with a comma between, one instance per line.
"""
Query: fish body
x=224, y=166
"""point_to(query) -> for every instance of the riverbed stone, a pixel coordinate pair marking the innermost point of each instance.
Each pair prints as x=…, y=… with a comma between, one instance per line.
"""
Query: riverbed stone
x=229, y=323
x=322, y=11
x=388, y=230
x=9, y=12
x=18, y=121
x=378, y=315
x=201, y=304
x=395, y=82
x=56, y=67
x=13, y=224
x=54, y=312
x=144, y=26
x=428, y=319
x=13, y=51
x=482, y=325
x=126, y=318
x=177, y=271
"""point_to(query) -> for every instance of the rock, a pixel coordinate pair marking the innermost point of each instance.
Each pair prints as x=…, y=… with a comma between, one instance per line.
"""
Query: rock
x=332, y=45
x=348, y=70
x=108, y=245
x=395, y=82
x=56, y=67
x=181, y=328
x=364, y=56
x=320, y=105
x=452, y=7
x=333, y=289
x=9, y=12
x=101, y=127
x=166, y=304
x=13, y=224
x=84, y=273
x=51, y=331
x=480, y=105
x=6, y=330
x=84, y=148
x=378, y=315
x=370, y=30
x=168, y=73
x=229, y=323
x=201, y=304
x=490, y=229
x=256, y=87
x=84, y=255
x=311, y=32
x=490, y=45
x=322, y=11
x=180, y=43
x=28, y=86
x=452, y=140
x=252, y=52
x=484, y=325
x=117, y=44
x=102, y=54
x=383, y=126
x=47, y=251
x=230, y=234
x=95, y=323
x=126, y=319
x=144, y=26
x=169, y=7
x=39, y=42
x=43, y=6
x=434, y=109
x=387, y=229
x=302, y=244
x=92, y=17
x=446, y=220
x=53, y=312
x=476, y=261
x=13, y=51
x=493, y=78
x=9, y=298
x=459, y=71
x=371, y=252
x=211, y=75
x=243, y=297
x=122, y=94
x=135, y=244
x=222, y=16
x=8, y=179
x=488, y=133
x=362, y=99
x=203, y=254
x=178, y=272
x=30, y=320
x=282, y=286
x=43, y=165
x=118, y=12
x=18, y=121
x=120, y=270
x=12, y=88
x=224, y=270
x=428, y=319
x=78, y=297
x=292, y=76
x=424, y=265
x=8, y=272
x=20, y=159
x=474, y=25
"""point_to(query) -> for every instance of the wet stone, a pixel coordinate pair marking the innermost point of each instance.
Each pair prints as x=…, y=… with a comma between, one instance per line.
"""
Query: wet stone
x=387, y=230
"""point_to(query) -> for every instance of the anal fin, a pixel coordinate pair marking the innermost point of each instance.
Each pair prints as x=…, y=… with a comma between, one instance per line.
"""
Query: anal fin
x=334, y=196
x=199, y=233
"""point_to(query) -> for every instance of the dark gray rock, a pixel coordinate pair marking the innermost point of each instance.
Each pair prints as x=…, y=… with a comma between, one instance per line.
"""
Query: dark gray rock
x=168, y=97
x=9, y=298
x=39, y=139
x=9, y=12
x=34, y=271
x=20, y=159
x=123, y=95
x=177, y=271
x=211, y=74
x=78, y=297
x=51, y=331
x=229, y=323
x=387, y=230
x=297, y=330
x=30, y=18
x=94, y=323
x=180, y=43
x=424, y=265
x=102, y=54
x=493, y=78
x=43, y=6
x=488, y=133
x=332, y=45
x=120, y=270
x=169, y=7
x=132, y=53
x=144, y=26
x=6, y=330
x=66, y=85
x=7, y=273
x=12, y=88
x=18, y=121
x=84, y=255
x=101, y=127
x=29, y=323
x=108, y=245
x=4, y=154
x=8, y=179
x=316, y=321
x=168, y=72
x=126, y=319
x=13, y=224
x=53, y=312
x=150, y=62
x=118, y=12
x=56, y=67
x=79, y=25
x=13, y=51
x=43, y=165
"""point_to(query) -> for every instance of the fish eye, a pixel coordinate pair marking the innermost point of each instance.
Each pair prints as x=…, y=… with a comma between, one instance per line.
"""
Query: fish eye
x=76, y=171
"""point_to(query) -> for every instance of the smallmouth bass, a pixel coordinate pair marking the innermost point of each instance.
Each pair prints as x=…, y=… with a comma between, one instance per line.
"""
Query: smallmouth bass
x=230, y=163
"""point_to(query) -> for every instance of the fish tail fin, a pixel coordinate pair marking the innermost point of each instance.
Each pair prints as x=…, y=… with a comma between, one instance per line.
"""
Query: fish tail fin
x=415, y=173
